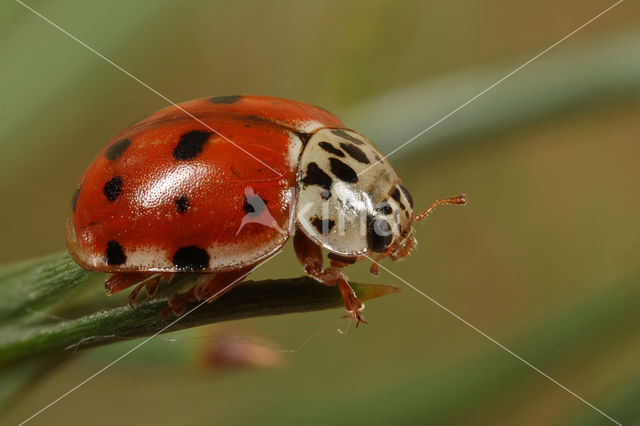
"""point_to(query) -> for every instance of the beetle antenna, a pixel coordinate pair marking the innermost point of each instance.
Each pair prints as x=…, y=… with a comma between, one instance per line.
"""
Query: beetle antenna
x=460, y=199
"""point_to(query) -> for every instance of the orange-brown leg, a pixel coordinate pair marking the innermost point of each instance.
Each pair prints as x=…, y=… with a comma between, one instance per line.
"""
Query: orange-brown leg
x=208, y=287
x=151, y=285
x=177, y=304
x=120, y=281
x=123, y=280
x=219, y=283
x=310, y=255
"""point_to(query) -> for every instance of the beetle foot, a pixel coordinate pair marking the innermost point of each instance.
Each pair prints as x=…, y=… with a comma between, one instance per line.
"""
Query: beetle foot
x=123, y=280
x=354, y=307
x=351, y=302
x=177, y=304
x=151, y=285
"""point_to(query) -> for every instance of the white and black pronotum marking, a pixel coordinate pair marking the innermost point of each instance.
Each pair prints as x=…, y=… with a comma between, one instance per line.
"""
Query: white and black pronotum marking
x=343, y=212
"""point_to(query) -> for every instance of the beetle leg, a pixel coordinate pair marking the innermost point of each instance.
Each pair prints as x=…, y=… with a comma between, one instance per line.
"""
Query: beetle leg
x=338, y=261
x=211, y=287
x=151, y=285
x=310, y=255
x=177, y=304
x=122, y=280
x=207, y=287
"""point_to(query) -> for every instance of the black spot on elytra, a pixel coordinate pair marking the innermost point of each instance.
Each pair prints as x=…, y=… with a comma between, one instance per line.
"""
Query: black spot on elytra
x=225, y=99
x=74, y=199
x=355, y=152
x=342, y=171
x=406, y=194
x=191, y=259
x=114, y=254
x=113, y=188
x=254, y=205
x=384, y=208
x=331, y=149
x=182, y=204
x=347, y=136
x=379, y=235
x=316, y=176
x=117, y=149
x=190, y=144
x=323, y=225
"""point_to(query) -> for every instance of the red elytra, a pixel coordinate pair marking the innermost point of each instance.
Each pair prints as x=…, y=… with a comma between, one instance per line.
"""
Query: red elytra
x=218, y=193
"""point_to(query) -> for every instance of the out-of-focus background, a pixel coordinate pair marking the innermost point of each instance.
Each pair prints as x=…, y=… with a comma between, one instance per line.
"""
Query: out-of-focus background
x=544, y=258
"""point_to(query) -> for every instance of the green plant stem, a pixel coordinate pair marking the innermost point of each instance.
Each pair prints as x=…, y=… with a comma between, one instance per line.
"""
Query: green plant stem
x=249, y=299
x=30, y=286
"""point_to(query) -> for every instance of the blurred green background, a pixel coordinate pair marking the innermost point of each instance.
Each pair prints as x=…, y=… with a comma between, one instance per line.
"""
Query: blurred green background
x=544, y=258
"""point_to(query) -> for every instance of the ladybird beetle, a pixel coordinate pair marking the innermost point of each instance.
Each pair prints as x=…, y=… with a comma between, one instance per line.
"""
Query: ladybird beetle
x=216, y=185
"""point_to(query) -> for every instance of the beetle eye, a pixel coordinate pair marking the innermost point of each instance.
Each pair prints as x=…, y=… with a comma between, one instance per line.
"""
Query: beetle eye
x=379, y=234
x=384, y=208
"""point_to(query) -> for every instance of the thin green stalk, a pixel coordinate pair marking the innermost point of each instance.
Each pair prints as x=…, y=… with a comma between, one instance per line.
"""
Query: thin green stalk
x=249, y=299
x=31, y=286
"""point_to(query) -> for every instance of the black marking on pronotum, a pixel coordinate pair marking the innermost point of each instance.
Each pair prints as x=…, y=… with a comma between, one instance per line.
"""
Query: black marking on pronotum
x=316, y=176
x=182, y=204
x=113, y=188
x=114, y=254
x=355, y=152
x=254, y=205
x=347, y=136
x=379, y=235
x=231, y=99
x=395, y=194
x=191, y=259
x=323, y=226
x=74, y=199
x=190, y=144
x=384, y=208
x=304, y=137
x=117, y=149
x=331, y=149
x=406, y=194
x=342, y=171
